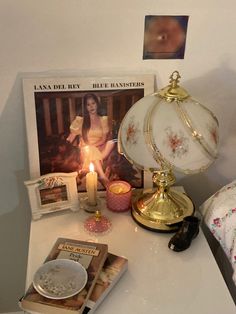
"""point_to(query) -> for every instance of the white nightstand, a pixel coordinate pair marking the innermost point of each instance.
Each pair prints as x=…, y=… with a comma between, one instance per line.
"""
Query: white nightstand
x=158, y=280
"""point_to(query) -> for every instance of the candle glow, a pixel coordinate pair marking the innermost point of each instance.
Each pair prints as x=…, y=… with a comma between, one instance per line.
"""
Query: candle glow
x=118, y=195
x=91, y=167
x=119, y=188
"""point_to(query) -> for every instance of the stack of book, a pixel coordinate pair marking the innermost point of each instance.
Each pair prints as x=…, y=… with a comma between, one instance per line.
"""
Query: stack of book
x=104, y=269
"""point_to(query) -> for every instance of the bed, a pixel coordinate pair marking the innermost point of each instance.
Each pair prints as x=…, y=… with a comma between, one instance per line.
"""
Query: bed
x=219, y=225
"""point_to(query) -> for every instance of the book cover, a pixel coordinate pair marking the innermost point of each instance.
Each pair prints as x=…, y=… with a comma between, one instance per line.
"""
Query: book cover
x=113, y=268
x=91, y=255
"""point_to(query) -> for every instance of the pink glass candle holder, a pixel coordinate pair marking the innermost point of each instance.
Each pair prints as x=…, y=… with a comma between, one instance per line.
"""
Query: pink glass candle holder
x=118, y=196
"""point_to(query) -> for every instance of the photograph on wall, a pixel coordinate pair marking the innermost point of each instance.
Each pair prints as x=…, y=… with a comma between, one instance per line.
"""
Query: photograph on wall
x=165, y=37
x=73, y=122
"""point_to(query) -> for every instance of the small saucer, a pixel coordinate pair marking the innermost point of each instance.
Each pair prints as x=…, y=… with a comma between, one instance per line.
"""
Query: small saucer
x=60, y=279
x=85, y=205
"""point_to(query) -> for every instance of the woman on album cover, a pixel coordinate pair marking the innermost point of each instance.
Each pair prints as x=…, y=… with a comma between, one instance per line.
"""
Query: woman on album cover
x=95, y=141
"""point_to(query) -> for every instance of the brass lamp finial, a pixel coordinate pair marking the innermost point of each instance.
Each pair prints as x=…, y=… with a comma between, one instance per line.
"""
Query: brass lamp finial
x=173, y=92
x=174, y=81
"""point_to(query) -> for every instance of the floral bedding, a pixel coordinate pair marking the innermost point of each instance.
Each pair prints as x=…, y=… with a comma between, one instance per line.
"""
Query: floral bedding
x=219, y=213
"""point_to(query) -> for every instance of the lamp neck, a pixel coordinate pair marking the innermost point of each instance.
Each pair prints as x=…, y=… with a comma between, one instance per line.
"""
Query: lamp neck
x=163, y=179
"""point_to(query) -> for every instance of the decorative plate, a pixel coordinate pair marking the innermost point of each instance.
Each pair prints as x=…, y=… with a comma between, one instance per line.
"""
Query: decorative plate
x=60, y=279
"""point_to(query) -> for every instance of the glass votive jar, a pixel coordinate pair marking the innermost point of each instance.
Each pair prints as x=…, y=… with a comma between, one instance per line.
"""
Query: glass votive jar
x=118, y=195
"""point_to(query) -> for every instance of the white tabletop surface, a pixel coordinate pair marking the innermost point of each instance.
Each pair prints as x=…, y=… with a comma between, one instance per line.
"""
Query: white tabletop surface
x=158, y=280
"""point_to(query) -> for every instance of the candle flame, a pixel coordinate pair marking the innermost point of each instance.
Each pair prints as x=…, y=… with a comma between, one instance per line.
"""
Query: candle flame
x=91, y=167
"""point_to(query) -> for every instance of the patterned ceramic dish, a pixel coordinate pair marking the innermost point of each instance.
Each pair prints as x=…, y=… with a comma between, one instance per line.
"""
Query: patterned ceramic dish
x=60, y=279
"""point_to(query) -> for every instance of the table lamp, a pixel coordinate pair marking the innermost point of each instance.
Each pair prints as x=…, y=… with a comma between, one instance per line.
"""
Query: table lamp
x=163, y=132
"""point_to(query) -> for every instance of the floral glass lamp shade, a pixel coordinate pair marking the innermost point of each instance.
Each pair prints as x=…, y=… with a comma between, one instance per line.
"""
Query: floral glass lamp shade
x=162, y=132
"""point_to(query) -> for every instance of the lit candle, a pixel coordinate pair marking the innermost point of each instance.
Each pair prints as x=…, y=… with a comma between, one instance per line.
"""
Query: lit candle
x=118, y=195
x=119, y=188
x=91, y=185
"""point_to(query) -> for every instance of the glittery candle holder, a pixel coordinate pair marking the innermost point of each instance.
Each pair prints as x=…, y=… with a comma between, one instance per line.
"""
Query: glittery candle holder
x=118, y=196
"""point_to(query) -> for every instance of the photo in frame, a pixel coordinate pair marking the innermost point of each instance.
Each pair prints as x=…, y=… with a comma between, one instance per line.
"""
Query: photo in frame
x=52, y=192
x=71, y=122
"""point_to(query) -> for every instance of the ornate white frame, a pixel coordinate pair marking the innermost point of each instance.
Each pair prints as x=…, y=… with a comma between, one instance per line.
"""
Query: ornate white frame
x=67, y=181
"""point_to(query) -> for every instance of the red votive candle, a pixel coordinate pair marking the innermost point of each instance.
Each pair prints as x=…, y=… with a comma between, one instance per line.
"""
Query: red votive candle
x=118, y=196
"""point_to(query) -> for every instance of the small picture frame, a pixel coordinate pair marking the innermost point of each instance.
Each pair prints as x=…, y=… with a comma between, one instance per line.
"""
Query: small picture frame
x=52, y=192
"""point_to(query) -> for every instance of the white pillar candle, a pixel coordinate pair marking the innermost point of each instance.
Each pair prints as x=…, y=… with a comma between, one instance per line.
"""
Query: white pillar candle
x=91, y=185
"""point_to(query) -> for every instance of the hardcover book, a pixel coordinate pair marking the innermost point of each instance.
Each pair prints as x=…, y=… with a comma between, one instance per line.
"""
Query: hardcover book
x=113, y=268
x=91, y=255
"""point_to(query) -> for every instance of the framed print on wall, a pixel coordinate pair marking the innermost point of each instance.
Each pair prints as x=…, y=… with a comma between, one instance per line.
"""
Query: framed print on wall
x=71, y=122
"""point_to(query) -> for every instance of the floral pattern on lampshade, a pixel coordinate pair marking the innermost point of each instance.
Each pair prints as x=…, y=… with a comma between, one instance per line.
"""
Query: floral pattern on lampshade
x=176, y=142
x=214, y=133
x=132, y=131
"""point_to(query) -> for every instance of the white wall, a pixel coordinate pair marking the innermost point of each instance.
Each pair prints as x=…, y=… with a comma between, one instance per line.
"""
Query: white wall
x=106, y=36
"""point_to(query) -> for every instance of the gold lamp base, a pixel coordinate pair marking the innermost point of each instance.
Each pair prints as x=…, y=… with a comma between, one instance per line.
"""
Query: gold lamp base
x=162, y=210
